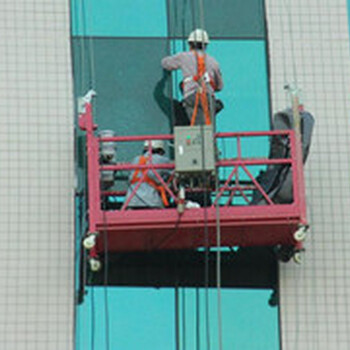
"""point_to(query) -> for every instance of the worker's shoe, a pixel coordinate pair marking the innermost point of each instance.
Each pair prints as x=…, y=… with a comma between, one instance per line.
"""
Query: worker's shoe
x=192, y=205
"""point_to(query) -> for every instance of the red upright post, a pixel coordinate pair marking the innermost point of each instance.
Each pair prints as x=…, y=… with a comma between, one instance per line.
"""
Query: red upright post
x=93, y=176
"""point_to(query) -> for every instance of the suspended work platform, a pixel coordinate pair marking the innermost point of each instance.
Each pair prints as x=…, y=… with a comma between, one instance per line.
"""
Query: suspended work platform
x=230, y=211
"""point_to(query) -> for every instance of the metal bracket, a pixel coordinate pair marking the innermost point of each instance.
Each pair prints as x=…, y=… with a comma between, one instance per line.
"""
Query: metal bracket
x=82, y=101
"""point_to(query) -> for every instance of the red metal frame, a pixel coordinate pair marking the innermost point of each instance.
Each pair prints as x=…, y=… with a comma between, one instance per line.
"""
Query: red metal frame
x=153, y=229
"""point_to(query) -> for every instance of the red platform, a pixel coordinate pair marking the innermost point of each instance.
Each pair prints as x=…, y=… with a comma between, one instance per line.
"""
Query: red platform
x=161, y=229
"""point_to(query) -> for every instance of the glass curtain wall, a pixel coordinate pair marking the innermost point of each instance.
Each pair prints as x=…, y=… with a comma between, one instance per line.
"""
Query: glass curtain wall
x=117, y=46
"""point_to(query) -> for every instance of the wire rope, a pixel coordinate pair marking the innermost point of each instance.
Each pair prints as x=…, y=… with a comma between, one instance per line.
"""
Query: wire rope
x=283, y=49
x=92, y=332
x=81, y=11
x=183, y=314
x=287, y=7
x=198, y=315
x=105, y=273
x=218, y=228
x=90, y=55
x=218, y=264
x=177, y=319
x=288, y=28
x=205, y=204
x=170, y=50
x=83, y=56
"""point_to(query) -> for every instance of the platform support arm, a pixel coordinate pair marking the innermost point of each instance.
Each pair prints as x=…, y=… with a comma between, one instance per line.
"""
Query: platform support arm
x=92, y=153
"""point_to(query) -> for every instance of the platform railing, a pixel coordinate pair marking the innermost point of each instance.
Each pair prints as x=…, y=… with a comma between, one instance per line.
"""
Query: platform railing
x=230, y=186
x=238, y=163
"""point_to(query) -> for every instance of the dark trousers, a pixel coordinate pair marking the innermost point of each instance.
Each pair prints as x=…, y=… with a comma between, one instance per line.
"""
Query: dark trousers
x=189, y=104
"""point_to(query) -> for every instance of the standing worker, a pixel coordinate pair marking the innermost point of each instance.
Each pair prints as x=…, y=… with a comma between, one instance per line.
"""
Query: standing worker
x=150, y=193
x=201, y=78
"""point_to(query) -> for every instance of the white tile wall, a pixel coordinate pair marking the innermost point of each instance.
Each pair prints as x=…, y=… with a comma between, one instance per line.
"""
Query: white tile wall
x=311, y=38
x=36, y=176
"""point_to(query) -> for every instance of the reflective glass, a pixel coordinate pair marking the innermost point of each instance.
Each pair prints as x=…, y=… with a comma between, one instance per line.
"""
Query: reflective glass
x=245, y=94
x=128, y=78
x=146, y=318
x=119, y=18
x=222, y=18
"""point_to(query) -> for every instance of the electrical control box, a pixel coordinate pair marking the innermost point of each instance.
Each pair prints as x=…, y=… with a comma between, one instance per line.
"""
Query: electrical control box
x=194, y=149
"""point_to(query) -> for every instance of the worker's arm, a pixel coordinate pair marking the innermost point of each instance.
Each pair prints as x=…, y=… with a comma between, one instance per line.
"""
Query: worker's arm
x=219, y=84
x=172, y=62
x=134, y=162
x=163, y=173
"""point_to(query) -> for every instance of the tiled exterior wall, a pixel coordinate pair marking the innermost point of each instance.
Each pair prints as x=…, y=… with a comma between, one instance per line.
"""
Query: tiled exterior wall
x=36, y=176
x=315, y=297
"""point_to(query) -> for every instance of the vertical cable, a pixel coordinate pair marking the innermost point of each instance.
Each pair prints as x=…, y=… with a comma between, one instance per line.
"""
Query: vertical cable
x=105, y=273
x=193, y=11
x=92, y=335
x=218, y=263
x=177, y=319
x=82, y=45
x=87, y=12
x=201, y=14
x=218, y=229
x=198, y=315
x=267, y=63
x=169, y=52
x=206, y=240
x=183, y=314
x=291, y=37
x=91, y=54
x=184, y=33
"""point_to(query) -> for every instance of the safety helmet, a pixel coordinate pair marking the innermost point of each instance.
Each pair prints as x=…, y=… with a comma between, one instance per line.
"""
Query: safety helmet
x=199, y=36
x=155, y=144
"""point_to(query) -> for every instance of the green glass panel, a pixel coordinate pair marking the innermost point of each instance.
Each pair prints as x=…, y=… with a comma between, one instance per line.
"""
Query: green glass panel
x=146, y=318
x=128, y=78
x=221, y=18
x=119, y=18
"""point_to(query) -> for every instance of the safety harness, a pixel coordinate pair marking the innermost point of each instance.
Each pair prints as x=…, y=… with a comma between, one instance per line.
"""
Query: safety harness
x=201, y=78
x=136, y=178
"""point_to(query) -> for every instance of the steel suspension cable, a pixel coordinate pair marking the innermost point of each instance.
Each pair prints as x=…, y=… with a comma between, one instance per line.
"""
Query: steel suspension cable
x=290, y=33
x=283, y=49
x=183, y=314
x=217, y=217
x=206, y=233
x=106, y=272
x=92, y=330
x=177, y=319
x=205, y=200
x=287, y=7
x=83, y=55
x=198, y=334
x=81, y=16
x=90, y=54
x=170, y=49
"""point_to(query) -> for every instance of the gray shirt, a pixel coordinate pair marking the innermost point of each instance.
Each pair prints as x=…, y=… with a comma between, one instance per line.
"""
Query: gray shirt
x=146, y=195
x=187, y=62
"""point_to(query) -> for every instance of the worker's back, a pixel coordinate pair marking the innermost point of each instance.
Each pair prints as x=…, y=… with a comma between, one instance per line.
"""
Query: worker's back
x=187, y=62
x=146, y=195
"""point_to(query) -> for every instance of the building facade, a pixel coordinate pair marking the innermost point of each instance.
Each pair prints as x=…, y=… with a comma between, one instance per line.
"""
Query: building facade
x=305, y=42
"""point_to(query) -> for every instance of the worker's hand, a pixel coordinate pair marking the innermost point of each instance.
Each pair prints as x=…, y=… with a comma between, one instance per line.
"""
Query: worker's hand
x=219, y=106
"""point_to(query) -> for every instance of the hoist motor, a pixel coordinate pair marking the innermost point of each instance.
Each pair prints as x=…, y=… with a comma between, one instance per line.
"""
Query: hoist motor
x=107, y=157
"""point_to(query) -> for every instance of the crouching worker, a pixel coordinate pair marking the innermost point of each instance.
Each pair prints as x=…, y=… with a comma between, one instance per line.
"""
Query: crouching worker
x=150, y=192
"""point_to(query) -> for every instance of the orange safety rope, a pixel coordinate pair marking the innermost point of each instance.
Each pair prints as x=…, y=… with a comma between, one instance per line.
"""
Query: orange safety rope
x=201, y=94
x=143, y=160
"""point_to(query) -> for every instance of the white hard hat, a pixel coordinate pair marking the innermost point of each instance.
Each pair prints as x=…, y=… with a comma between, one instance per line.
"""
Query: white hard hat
x=156, y=144
x=198, y=36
